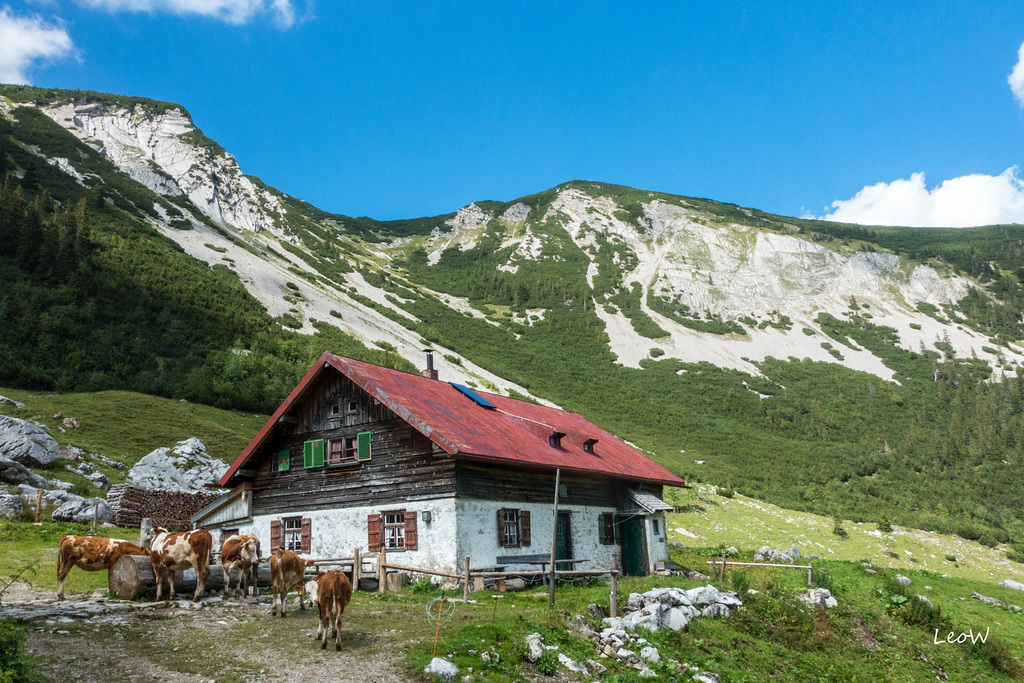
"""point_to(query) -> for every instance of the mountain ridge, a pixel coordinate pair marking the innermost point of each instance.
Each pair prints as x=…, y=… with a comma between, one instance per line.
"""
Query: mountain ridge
x=821, y=366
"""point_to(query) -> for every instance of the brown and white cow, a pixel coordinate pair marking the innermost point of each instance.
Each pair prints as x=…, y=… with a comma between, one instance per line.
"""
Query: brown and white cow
x=178, y=552
x=331, y=592
x=241, y=553
x=286, y=570
x=91, y=553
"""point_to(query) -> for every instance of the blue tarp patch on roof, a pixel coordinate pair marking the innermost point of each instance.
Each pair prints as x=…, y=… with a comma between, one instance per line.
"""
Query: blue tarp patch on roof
x=477, y=398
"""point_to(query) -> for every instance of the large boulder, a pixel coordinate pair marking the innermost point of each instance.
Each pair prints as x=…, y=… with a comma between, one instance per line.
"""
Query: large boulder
x=1015, y=585
x=12, y=472
x=80, y=510
x=186, y=467
x=24, y=441
x=11, y=401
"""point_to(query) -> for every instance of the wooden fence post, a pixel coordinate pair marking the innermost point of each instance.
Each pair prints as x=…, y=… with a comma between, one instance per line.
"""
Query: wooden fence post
x=145, y=530
x=39, y=502
x=465, y=582
x=613, y=602
x=357, y=567
x=382, y=572
x=809, y=575
x=722, y=577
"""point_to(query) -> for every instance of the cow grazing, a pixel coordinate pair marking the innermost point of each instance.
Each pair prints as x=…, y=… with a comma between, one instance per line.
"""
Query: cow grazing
x=286, y=570
x=241, y=553
x=91, y=553
x=331, y=592
x=178, y=552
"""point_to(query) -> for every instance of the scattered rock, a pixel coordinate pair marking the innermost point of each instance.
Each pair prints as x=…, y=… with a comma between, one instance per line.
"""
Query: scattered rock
x=1017, y=586
x=571, y=664
x=597, y=611
x=647, y=673
x=707, y=677
x=766, y=554
x=820, y=596
x=186, y=467
x=70, y=423
x=10, y=506
x=732, y=550
x=12, y=472
x=1015, y=608
x=535, y=643
x=925, y=601
x=442, y=668
x=11, y=401
x=870, y=571
x=70, y=453
x=794, y=552
x=991, y=601
x=716, y=610
x=651, y=655
x=81, y=511
x=903, y=579
x=596, y=667
x=25, y=442
x=99, y=480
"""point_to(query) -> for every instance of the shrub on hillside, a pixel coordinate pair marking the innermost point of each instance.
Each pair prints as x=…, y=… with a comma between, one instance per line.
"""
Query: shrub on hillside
x=15, y=664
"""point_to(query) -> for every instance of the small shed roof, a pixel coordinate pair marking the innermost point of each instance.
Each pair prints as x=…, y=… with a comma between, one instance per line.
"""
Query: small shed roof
x=506, y=431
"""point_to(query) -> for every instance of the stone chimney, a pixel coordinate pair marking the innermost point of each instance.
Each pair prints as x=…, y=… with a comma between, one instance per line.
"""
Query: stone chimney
x=430, y=372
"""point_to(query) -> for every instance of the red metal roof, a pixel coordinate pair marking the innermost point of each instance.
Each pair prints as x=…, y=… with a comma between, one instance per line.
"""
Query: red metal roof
x=515, y=433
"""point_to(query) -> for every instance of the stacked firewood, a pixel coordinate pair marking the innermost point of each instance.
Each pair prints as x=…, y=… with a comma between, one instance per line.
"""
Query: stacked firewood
x=172, y=510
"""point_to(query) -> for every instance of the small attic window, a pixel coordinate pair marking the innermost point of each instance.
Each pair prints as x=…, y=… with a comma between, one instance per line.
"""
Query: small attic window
x=336, y=409
x=555, y=440
x=588, y=445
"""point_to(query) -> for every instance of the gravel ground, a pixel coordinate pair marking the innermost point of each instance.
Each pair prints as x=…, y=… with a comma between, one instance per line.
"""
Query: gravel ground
x=221, y=641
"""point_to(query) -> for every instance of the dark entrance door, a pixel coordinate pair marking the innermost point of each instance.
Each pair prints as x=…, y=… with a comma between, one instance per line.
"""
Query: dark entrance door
x=563, y=538
x=634, y=554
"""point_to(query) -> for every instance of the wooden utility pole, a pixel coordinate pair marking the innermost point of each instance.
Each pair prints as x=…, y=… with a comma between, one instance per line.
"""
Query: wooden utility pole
x=357, y=568
x=554, y=538
x=613, y=606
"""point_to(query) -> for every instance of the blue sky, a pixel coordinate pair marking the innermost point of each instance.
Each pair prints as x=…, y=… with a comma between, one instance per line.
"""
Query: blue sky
x=904, y=113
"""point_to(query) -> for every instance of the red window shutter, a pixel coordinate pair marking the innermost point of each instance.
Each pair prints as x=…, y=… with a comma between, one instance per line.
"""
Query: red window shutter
x=410, y=530
x=306, y=541
x=275, y=535
x=373, y=532
x=524, y=527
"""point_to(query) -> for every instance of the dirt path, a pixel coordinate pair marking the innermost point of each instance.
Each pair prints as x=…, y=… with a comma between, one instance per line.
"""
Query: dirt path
x=224, y=641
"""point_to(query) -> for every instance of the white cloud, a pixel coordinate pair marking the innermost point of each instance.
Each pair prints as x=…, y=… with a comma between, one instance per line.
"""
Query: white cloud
x=231, y=11
x=1016, y=77
x=24, y=41
x=962, y=202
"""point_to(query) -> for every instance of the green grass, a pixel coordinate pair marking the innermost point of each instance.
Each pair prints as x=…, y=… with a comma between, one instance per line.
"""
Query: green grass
x=125, y=426
x=35, y=545
x=748, y=524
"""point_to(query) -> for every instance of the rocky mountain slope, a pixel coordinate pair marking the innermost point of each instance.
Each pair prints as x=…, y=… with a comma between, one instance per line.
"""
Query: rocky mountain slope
x=822, y=366
x=692, y=261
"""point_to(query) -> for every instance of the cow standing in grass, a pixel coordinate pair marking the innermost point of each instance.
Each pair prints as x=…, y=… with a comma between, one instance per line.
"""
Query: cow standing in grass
x=178, y=552
x=241, y=553
x=331, y=592
x=286, y=570
x=91, y=553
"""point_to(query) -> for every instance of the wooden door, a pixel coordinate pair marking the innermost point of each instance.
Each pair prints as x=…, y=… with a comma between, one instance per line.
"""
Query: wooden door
x=634, y=551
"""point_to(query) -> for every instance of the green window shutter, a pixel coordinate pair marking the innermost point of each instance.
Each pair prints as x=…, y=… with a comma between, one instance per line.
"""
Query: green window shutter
x=363, y=446
x=318, y=453
x=307, y=454
x=284, y=461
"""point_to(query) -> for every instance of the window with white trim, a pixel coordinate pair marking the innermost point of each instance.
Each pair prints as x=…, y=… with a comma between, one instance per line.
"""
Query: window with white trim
x=342, y=450
x=292, y=534
x=393, y=526
x=510, y=528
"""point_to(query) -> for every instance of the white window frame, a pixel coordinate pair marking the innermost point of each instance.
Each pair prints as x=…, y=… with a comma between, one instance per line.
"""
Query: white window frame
x=291, y=536
x=392, y=529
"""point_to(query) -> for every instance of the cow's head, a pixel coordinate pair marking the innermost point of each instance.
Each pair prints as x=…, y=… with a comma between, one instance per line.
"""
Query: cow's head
x=153, y=533
x=312, y=589
x=250, y=551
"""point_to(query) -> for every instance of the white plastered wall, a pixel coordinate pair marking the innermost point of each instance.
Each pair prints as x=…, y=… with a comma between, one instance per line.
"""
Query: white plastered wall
x=478, y=533
x=657, y=543
x=337, y=532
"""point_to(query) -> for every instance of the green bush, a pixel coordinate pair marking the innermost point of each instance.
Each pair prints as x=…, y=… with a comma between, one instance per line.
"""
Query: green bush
x=547, y=664
x=15, y=664
x=838, y=529
x=952, y=558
